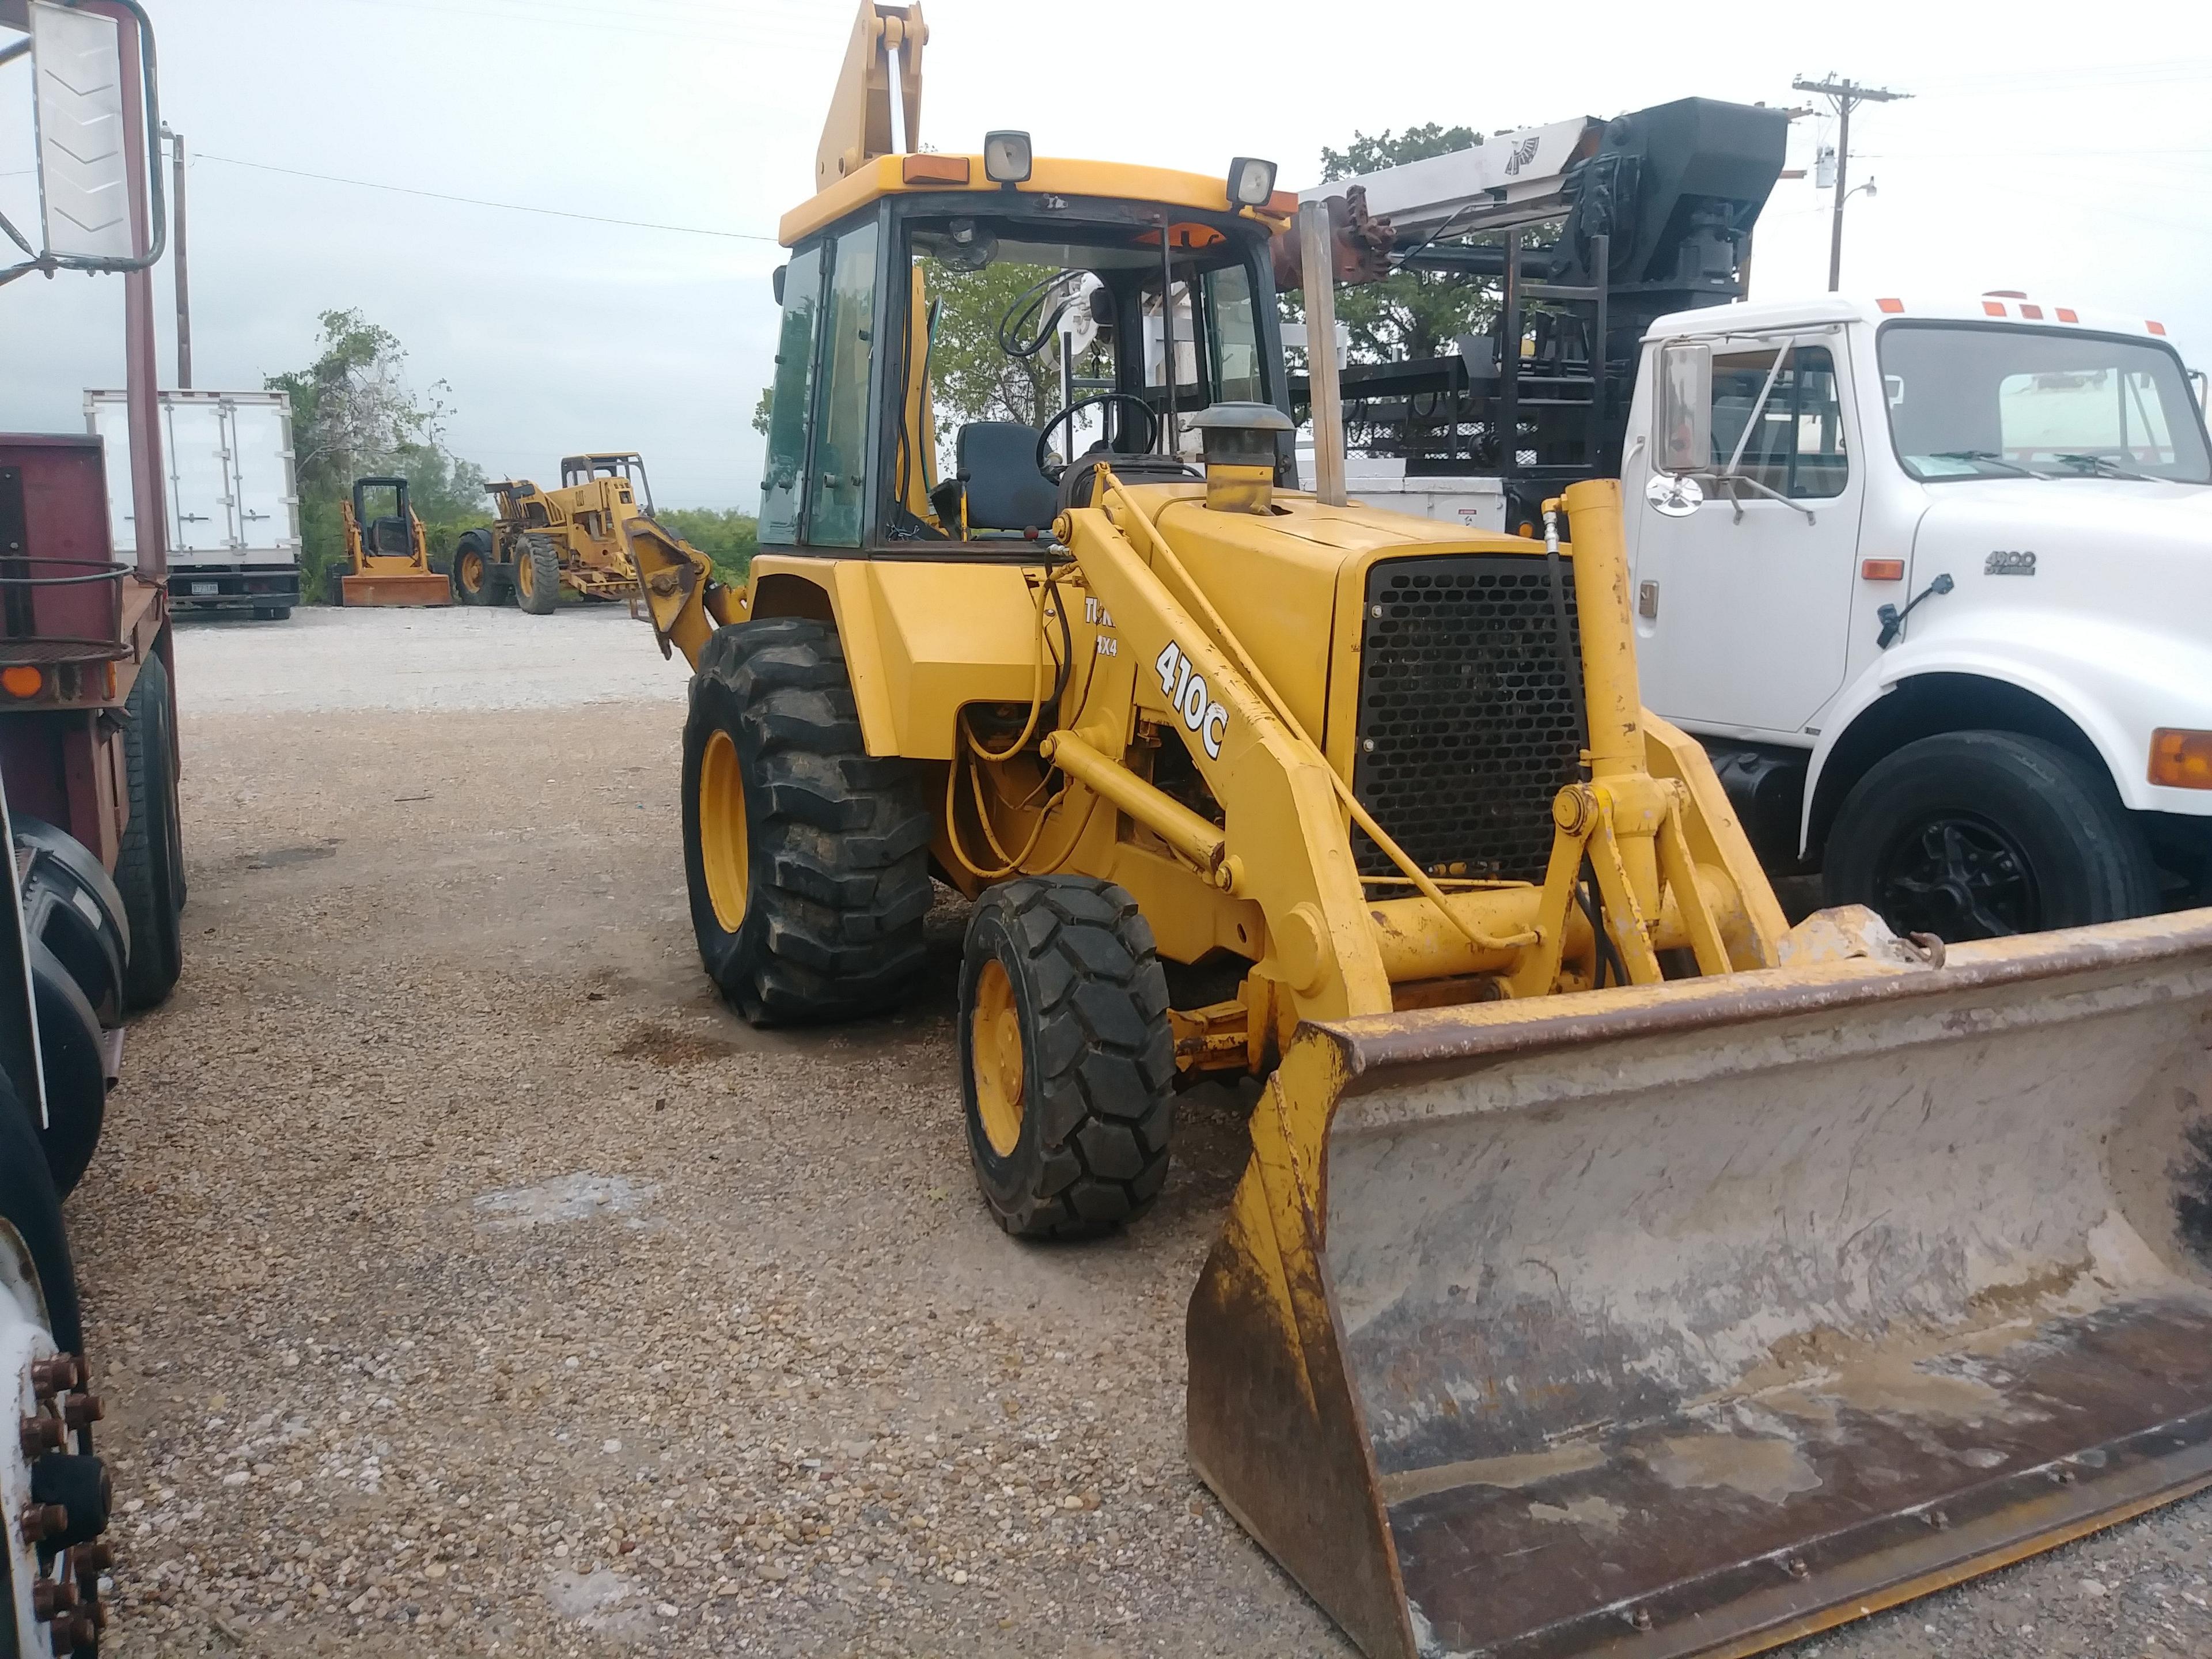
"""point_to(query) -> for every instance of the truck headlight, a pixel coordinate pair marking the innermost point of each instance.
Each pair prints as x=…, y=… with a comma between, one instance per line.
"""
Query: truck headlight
x=2181, y=760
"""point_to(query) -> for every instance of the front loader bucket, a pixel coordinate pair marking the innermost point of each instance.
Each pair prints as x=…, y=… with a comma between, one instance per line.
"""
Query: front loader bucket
x=1695, y=1318
x=413, y=587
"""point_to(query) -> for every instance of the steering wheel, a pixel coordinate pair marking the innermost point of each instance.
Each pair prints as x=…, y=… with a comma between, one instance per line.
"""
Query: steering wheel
x=1098, y=401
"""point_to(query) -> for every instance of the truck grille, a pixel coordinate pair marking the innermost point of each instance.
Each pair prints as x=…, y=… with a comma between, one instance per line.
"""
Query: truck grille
x=1468, y=712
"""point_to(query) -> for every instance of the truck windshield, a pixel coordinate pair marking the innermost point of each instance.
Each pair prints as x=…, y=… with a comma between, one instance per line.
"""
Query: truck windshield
x=1973, y=402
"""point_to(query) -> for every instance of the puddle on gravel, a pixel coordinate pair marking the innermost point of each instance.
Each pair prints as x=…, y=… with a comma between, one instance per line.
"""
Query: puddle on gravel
x=594, y=1600
x=571, y=1198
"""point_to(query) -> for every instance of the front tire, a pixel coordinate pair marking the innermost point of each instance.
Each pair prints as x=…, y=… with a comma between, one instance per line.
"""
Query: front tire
x=537, y=575
x=1066, y=1058
x=474, y=574
x=149, y=867
x=1982, y=835
x=806, y=858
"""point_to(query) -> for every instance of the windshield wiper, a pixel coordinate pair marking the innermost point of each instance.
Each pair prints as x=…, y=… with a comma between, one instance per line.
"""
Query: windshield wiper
x=1987, y=457
x=2103, y=466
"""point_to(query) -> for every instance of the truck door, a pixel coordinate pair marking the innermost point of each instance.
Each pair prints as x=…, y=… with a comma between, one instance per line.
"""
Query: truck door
x=1743, y=606
x=203, y=527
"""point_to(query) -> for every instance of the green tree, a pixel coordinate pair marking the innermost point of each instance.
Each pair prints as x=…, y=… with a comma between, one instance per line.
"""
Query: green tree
x=1412, y=313
x=729, y=539
x=355, y=414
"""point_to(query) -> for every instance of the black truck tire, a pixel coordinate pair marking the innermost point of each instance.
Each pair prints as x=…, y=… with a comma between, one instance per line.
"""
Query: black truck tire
x=149, y=867
x=1980, y=835
x=537, y=575
x=30, y=1204
x=1066, y=1058
x=807, y=859
x=74, y=1066
x=475, y=576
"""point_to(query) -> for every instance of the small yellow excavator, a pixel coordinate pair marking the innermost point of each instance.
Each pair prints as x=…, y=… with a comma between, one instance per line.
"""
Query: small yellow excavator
x=1618, y=1269
x=390, y=561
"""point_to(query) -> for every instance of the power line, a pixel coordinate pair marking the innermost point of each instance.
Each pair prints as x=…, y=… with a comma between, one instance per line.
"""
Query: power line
x=1844, y=97
x=479, y=201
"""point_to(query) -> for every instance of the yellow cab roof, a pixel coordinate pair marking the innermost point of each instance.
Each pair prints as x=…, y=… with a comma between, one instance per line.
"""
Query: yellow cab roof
x=1048, y=176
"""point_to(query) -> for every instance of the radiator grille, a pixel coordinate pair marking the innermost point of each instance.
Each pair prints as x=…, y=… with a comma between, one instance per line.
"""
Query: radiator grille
x=1466, y=724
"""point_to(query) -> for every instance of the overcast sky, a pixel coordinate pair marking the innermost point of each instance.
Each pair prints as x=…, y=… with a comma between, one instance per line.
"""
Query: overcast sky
x=2040, y=153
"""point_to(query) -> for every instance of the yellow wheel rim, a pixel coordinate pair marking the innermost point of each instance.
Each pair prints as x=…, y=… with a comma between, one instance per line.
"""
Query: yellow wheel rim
x=724, y=849
x=472, y=572
x=994, y=1042
x=523, y=573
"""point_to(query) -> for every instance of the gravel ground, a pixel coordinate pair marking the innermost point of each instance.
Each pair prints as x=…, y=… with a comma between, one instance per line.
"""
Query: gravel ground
x=462, y=1276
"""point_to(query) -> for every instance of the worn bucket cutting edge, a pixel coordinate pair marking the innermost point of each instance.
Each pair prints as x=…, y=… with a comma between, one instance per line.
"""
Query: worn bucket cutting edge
x=412, y=588
x=1691, y=1319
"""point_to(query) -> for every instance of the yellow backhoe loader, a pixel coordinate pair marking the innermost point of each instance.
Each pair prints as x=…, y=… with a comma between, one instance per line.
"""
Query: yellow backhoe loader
x=1618, y=1270
x=545, y=540
x=389, y=561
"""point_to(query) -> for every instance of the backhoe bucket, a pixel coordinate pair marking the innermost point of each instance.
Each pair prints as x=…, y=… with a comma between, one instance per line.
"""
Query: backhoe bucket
x=409, y=587
x=1695, y=1318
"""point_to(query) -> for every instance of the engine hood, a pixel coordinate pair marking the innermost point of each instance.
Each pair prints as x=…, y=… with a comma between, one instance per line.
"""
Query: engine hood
x=2091, y=545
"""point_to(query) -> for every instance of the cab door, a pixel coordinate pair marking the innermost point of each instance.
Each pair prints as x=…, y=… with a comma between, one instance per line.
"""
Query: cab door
x=1743, y=606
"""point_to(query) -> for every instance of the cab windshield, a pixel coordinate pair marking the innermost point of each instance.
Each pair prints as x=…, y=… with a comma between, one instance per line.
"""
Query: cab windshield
x=1039, y=347
x=1973, y=402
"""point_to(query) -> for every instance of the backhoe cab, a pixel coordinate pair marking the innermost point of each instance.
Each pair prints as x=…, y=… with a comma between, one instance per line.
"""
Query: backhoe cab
x=1617, y=1268
x=389, y=558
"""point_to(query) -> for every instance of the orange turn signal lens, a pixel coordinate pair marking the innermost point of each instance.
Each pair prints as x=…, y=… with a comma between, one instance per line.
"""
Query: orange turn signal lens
x=1891, y=307
x=1882, y=570
x=22, y=680
x=2181, y=760
x=934, y=170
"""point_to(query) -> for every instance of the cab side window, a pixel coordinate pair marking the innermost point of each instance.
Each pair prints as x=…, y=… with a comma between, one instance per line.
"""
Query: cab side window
x=837, y=490
x=790, y=420
x=1796, y=447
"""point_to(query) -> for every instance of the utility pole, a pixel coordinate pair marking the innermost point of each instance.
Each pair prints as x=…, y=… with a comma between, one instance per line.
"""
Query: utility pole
x=177, y=240
x=1844, y=97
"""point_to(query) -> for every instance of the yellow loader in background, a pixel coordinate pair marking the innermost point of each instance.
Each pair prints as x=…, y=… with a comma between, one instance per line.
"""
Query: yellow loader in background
x=1617, y=1269
x=545, y=540
x=388, y=559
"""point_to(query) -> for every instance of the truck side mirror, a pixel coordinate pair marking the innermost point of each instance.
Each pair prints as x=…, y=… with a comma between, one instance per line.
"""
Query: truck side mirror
x=1685, y=443
x=775, y=281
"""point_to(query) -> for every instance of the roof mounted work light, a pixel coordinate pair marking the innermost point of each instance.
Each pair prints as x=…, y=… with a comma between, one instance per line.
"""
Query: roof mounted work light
x=1251, y=181
x=1007, y=157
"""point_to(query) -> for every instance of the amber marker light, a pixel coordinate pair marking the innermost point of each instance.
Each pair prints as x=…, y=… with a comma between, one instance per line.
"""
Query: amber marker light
x=22, y=680
x=934, y=170
x=1882, y=570
x=2178, y=759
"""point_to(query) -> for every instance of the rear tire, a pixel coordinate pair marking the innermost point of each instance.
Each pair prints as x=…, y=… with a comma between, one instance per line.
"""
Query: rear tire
x=1981, y=835
x=150, y=868
x=475, y=577
x=537, y=575
x=807, y=859
x=1066, y=1058
x=29, y=1203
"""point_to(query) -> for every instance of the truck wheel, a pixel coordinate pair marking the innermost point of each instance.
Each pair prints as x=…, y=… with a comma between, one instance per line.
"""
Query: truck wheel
x=537, y=575
x=29, y=1203
x=475, y=576
x=149, y=867
x=1067, y=1060
x=806, y=859
x=1980, y=835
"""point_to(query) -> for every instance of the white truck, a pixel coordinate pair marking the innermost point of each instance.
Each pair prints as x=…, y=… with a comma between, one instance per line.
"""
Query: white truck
x=1924, y=579
x=234, y=506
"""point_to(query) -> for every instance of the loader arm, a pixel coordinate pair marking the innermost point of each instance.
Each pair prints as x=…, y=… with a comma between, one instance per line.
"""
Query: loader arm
x=684, y=600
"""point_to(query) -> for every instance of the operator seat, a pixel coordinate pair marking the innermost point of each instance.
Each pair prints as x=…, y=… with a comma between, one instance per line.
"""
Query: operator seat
x=388, y=537
x=996, y=469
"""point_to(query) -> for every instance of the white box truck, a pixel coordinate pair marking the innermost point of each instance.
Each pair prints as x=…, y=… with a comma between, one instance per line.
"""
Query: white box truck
x=234, y=506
